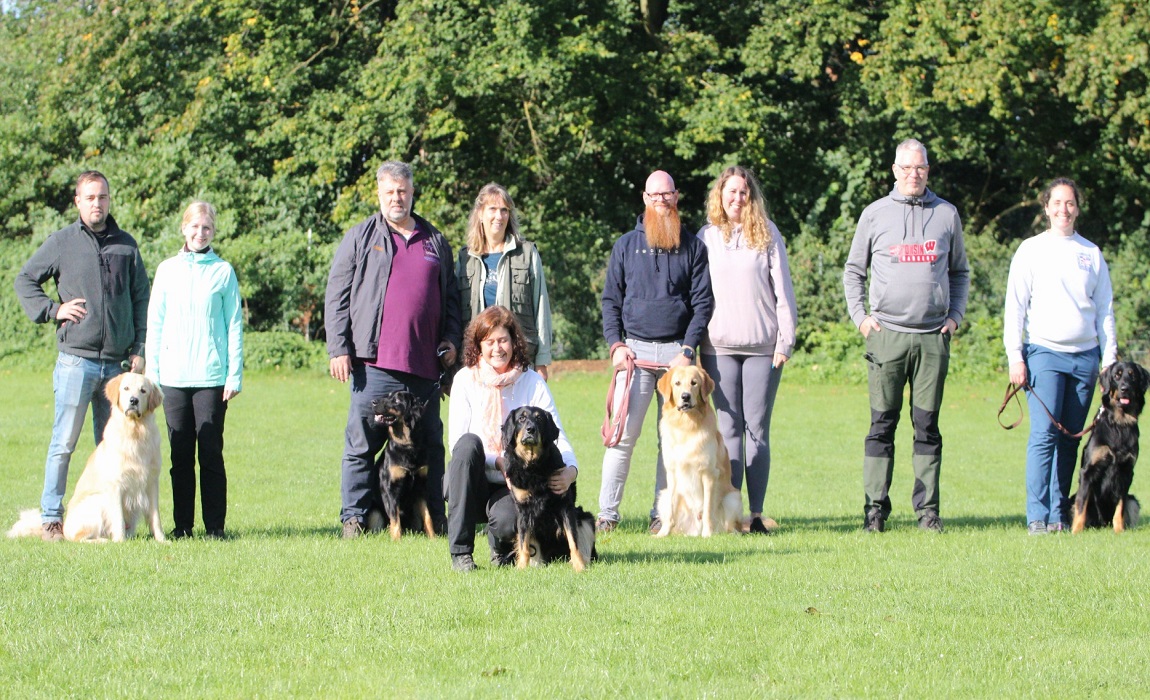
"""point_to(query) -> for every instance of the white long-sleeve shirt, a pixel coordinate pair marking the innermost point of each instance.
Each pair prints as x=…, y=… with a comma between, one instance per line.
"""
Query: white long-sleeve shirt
x=1058, y=296
x=467, y=398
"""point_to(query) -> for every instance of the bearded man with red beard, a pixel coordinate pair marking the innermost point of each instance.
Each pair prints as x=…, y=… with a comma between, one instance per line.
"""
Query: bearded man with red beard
x=656, y=305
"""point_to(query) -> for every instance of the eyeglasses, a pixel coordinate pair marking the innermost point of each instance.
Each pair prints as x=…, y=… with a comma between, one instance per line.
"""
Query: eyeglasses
x=907, y=169
x=662, y=195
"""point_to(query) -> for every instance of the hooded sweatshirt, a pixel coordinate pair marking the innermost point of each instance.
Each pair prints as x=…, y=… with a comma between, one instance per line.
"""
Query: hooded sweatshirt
x=657, y=295
x=195, y=323
x=919, y=276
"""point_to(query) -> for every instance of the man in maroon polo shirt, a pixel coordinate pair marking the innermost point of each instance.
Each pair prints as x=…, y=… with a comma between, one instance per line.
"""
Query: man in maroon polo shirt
x=393, y=323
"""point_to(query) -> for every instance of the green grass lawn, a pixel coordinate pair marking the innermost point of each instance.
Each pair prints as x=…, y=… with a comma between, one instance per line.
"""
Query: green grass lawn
x=286, y=609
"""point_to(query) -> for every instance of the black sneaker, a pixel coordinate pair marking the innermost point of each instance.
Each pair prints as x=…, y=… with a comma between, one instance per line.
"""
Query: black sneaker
x=757, y=527
x=930, y=521
x=217, y=534
x=180, y=533
x=462, y=563
x=874, y=521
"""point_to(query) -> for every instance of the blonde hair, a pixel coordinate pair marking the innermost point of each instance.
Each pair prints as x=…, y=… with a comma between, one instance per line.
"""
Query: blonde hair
x=756, y=222
x=476, y=240
x=198, y=208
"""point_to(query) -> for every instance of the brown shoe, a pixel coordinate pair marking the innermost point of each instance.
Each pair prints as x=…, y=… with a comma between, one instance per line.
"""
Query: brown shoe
x=352, y=528
x=604, y=525
x=52, y=532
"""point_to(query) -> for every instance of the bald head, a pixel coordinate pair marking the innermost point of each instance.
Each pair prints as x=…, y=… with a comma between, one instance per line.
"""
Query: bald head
x=660, y=192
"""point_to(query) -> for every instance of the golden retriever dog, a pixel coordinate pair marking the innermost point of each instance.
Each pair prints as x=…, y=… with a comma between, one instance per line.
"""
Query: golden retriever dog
x=699, y=499
x=121, y=481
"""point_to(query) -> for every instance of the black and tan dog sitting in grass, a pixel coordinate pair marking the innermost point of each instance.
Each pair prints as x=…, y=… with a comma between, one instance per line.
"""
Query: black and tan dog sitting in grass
x=402, y=466
x=1103, y=498
x=548, y=526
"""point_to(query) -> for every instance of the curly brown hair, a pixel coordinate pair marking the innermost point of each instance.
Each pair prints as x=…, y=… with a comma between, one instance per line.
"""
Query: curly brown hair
x=483, y=325
x=756, y=220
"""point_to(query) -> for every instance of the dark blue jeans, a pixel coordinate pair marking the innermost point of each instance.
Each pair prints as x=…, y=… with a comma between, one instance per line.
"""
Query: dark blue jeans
x=363, y=441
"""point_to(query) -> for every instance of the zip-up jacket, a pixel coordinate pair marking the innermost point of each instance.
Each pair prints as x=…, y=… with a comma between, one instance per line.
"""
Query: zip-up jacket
x=919, y=276
x=521, y=287
x=104, y=269
x=657, y=295
x=195, y=323
x=357, y=283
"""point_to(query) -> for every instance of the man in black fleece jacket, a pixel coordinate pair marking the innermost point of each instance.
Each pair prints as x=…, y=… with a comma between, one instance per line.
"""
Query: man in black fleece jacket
x=101, y=321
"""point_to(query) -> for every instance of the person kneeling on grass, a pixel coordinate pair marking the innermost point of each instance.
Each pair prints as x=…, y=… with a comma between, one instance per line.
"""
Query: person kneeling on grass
x=494, y=381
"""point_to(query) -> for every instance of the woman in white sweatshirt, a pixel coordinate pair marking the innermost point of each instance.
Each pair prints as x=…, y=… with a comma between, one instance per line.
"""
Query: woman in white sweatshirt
x=1058, y=326
x=751, y=333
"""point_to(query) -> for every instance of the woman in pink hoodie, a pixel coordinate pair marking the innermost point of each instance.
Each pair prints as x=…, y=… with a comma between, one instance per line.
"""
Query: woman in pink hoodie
x=752, y=331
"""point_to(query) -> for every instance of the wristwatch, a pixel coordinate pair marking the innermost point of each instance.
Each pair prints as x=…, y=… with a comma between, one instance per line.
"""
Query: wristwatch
x=688, y=353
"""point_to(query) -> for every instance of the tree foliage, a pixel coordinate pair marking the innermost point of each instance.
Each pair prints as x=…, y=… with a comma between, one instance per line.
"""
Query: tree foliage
x=279, y=112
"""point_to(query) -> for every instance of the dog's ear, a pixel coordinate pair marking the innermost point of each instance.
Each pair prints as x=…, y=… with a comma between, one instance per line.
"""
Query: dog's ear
x=1144, y=376
x=551, y=429
x=417, y=407
x=509, y=431
x=155, y=395
x=664, y=384
x=708, y=383
x=1107, y=377
x=112, y=389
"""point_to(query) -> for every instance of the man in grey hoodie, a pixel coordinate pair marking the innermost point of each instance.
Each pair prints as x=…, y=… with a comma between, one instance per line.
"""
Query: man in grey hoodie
x=911, y=241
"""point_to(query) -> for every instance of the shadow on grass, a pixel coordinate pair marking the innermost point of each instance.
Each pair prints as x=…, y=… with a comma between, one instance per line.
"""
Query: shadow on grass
x=854, y=523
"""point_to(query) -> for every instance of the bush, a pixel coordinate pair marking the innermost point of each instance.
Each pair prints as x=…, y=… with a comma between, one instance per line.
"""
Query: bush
x=282, y=350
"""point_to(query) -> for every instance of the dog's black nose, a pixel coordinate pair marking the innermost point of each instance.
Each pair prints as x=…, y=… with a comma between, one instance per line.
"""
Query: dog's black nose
x=686, y=396
x=132, y=401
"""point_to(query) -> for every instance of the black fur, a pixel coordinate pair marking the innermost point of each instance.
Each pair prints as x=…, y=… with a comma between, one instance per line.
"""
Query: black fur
x=1110, y=453
x=403, y=463
x=546, y=523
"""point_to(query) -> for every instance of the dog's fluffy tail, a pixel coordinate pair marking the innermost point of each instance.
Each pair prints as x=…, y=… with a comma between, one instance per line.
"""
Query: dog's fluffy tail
x=1131, y=511
x=28, y=525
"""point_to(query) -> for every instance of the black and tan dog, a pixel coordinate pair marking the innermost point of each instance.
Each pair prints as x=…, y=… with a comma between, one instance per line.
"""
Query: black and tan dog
x=1103, y=497
x=402, y=466
x=548, y=526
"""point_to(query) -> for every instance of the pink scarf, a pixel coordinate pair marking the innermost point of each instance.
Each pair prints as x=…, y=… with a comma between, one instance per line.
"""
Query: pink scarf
x=491, y=408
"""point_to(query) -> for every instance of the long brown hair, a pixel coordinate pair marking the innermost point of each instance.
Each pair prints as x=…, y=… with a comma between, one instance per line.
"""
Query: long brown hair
x=756, y=221
x=476, y=239
x=483, y=325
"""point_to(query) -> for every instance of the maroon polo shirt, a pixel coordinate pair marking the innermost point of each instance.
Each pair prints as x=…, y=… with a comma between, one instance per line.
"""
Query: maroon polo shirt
x=412, y=306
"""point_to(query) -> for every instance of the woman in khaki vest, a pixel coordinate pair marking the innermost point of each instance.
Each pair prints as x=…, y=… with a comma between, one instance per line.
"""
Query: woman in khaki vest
x=499, y=267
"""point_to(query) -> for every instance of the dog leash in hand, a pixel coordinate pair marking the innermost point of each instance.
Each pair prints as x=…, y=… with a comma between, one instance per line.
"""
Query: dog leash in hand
x=1012, y=390
x=612, y=430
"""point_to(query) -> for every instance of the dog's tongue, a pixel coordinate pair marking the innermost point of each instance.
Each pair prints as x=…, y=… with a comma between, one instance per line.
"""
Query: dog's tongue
x=1124, y=401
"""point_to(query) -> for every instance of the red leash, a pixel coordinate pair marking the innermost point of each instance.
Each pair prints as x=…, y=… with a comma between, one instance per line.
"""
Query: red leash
x=612, y=430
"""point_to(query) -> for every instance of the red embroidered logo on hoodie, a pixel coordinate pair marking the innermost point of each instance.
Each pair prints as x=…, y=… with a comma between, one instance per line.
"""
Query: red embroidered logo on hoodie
x=915, y=252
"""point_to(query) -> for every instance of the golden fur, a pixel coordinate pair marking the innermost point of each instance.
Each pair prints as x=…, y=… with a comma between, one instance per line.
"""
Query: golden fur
x=120, y=484
x=699, y=499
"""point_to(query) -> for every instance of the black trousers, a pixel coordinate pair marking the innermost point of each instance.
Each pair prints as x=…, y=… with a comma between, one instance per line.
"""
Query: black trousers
x=195, y=418
x=472, y=499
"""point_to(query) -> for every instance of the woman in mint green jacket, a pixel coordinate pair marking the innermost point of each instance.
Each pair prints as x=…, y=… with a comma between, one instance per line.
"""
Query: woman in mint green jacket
x=194, y=351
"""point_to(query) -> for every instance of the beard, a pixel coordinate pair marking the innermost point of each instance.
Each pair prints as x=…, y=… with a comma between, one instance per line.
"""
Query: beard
x=662, y=229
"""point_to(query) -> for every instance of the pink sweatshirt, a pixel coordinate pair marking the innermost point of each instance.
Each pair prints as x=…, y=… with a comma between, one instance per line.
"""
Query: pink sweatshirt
x=754, y=299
